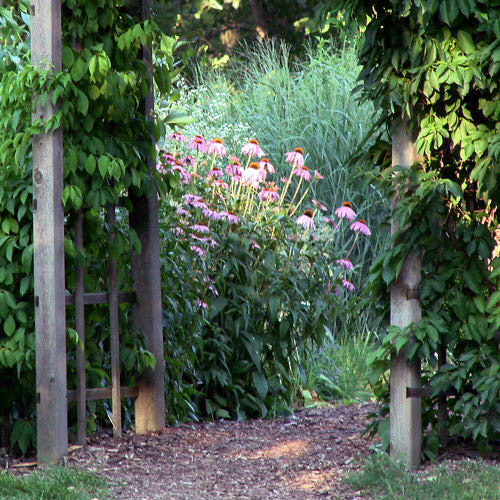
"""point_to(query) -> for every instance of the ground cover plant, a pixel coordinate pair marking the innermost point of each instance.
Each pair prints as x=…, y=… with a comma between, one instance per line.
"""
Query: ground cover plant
x=382, y=478
x=55, y=483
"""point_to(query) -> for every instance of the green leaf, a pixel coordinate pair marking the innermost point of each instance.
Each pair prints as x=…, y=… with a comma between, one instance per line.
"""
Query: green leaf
x=465, y=42
x=9, y=325
x=260, y=383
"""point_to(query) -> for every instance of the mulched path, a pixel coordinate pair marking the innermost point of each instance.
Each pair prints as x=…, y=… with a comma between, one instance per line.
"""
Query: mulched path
x=300, y=458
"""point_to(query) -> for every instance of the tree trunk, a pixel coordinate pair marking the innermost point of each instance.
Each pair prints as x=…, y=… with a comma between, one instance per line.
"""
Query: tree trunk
x=260, y=19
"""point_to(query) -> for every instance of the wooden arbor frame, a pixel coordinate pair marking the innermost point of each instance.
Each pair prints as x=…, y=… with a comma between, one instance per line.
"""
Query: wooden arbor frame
x=48, y=223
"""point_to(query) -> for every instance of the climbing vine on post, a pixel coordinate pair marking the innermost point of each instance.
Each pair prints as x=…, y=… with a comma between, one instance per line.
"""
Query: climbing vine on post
x=438, y=62
x=107, y=142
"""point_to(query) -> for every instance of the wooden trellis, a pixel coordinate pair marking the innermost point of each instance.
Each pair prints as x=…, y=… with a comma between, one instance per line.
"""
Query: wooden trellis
x=50, y=317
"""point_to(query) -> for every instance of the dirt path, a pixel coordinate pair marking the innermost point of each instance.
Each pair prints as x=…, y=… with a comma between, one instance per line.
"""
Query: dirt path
x=300, y=458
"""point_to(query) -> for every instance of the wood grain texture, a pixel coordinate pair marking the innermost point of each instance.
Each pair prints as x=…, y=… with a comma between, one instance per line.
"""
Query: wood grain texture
x=48, y=235
x=405, y=412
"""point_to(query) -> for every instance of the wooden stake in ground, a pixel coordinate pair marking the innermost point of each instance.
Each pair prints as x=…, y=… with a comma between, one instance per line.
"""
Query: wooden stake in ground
x=48, y=229
x=405, y=412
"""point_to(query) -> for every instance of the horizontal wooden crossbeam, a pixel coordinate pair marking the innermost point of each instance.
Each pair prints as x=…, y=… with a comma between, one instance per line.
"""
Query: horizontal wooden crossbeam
x=104, y=393
x=101, y=298
x=418, y=392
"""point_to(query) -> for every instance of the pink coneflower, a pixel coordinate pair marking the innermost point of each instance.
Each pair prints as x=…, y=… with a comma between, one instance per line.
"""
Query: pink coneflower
x=199, y=228
x=345, y=211
x=317, y=175
x=319, y=205
x=168, y=157
x=306, y=220
x=217, y=147
x=269, y=193
x=219, y=183
x=233, y=169
x=198, y=250
x=330, y=222
x=185, y=175
x=188, y=160
x=252, y=175
x=360, y=227
x=189, y=198
x=198, y=143
x=208, y=241
x=182, y=212
x=252, y=148
x=345, y=263
x=178, y=231
x=284, y=180
x=303, y=172
x=254, y=244
x=231, y=218
x=177, y=136
x=199, y=203
x=215, y=173
x=347, y=285
x=201, y=304
x=212, y=214
x=266, y=166
x=295, y=157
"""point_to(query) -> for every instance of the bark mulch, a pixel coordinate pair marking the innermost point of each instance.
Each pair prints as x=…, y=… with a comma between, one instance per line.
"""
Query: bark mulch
x=299, y=458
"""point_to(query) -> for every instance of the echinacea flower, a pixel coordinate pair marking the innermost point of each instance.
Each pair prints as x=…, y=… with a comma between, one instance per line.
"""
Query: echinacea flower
x=269, y=193
x=231, y=218
x=182, y=212
x=198, y=250
x=199, y=228
x=201, y=304
x=217, y=147
x=284, y=180
x=252, y=148
x=317, y=175
x=198, y=143
x=167, y=157
x=219, y=183
x=177, y=136
x=187, y=160
x=265, y=165
x=319, y=205
x=185, y=175
x=199, y=203
x=345, y=211
x=233, y=169
x=347, y=285
x=306, y=220
x=345, y=263
x=252, y=175
x=189, y=198
x=330, y=222
x=295, y=157
x=215, y=173
x=360, y=227
x=303, y=172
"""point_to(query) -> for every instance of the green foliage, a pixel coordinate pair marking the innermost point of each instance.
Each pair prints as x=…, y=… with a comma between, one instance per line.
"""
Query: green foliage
x=97, y=100
x=436, y=64
x=56, y=483
x=214, y=28
x=381, y=478
x=338, y=369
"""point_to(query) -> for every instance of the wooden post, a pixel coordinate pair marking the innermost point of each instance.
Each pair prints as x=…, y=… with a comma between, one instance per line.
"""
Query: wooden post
x=405, y=412
x=81, y=384
x=146, y=273
x=48, y=229
x=116, y=402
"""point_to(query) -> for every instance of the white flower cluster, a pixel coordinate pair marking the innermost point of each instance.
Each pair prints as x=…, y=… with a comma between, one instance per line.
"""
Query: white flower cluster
x=210, y=109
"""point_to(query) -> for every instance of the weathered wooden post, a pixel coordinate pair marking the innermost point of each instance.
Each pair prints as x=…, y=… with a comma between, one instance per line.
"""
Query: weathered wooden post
x=150, y=402
x=405, y=412
x=48, y=224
